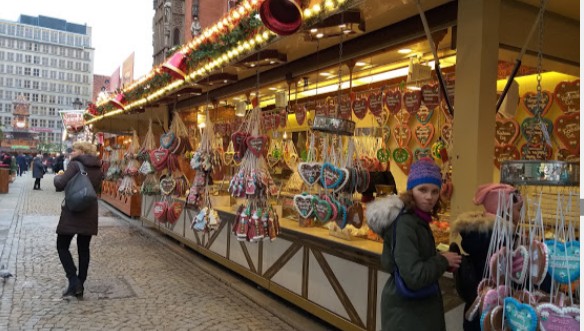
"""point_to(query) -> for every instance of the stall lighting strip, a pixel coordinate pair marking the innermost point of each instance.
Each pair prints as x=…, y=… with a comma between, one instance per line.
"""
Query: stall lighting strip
x=227, y=58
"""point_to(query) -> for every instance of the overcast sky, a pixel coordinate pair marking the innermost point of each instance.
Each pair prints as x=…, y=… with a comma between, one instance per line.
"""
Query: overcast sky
x=119, y=27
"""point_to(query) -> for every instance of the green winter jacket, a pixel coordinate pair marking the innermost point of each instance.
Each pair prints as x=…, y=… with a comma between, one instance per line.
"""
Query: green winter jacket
x=419, y=265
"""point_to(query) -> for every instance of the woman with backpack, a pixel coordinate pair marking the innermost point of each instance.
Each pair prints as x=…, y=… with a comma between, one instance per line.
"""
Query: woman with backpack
x=80, y=223
x=411, y=298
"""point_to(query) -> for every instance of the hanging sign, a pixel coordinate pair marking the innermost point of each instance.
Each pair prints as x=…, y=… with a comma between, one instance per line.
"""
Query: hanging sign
x=72, y=120
x=424, y=114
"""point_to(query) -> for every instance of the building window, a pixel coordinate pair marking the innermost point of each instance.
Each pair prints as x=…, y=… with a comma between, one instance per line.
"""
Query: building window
x=36, y=72
x=42, y=123
x=52, y=99
x=36, y=59
x=176, y=37
x=35, y=97
x=7, y=120
x=51, y=124
x=26, y=71
x=27, y=84
x=19, y=57
x=44, y=86
x=28, y=58
x=34, y=122
x=45, y=61
x=19, y=71
x=35, y=85
x=52, y=111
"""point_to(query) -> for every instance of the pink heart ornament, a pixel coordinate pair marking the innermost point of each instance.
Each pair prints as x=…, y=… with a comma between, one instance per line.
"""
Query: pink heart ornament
x=495, y=297
x=519, y=264
x=554, y=318
x=257, y=144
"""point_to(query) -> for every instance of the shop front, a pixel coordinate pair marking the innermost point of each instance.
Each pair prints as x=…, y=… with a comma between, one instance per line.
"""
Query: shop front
x=259, y=150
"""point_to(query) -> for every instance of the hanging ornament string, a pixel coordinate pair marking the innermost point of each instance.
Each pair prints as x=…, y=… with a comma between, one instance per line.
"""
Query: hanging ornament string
x=340, y=72
x=539, y=72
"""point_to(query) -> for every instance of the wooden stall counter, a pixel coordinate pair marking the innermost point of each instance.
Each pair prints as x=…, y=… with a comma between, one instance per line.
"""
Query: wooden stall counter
x=130, y=205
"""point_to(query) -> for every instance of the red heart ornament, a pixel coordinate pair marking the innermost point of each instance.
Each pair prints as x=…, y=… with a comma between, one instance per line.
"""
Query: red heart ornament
x=567, y=129
x=402, y=134
x=174, y=211
x=300, y=113
x=446, y=131
x=257, y=144
x=412, y=101
x=536, y=152
x=505, y=153
x=431, y=95
x=375, y=103
x=239, y=145
x=393, y=101
x=529, y=101
x=567, y=95
x=276, y=120
x=506, y=131
x=566, y=155
x=159, y=210
x=158, y=158
x=424, y=114
x=360, y=108
x=345, y=108
x=424, y=134
x=267, y=122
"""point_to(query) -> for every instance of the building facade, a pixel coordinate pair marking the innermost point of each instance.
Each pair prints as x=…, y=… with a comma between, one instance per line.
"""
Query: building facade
x=167, y=27
x=49, y=62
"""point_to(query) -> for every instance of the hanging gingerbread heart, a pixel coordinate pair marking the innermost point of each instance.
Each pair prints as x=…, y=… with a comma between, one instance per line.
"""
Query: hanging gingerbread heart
x=446, y=131
x=567, y=95
x=332, y=177
x=431, y=95
x=174, y=211
x=167, y=139
x=412, y=101
x=532, y=131
x=300, y=113
x=506, y=131
x=303, y=204
x=228, y=157
x=360, y=107
x=540, y=152
x=322, y=209
x=159, y=210
x=403, y=158
x=375, y=103
x=553, y=317
x=402, y=135
x=355, y=215
x=505, y=153
x=345, y=108
x=320, y=110
x=529, y=101
x=159, y=158
x=402, y=116
x=567, y=129
x=309, y=172
x=424, y=114
x=393, y=101
x=276, y=120
x=420, y=153
x=167, y=185
x=424, y=134
x=566, y=155
x=267, y=122
x=239, y=145
x=257, y=144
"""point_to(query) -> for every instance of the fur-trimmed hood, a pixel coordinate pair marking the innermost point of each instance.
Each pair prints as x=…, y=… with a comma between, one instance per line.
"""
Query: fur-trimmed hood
x=474, y=221
x=381, y=213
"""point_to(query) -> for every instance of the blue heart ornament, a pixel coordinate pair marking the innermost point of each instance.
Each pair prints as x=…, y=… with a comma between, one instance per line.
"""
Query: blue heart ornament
x=564, y=260
x=333, y=177
x=519, y=316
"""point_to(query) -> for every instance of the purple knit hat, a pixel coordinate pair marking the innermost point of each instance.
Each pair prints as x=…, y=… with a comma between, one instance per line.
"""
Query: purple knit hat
x=424, y=171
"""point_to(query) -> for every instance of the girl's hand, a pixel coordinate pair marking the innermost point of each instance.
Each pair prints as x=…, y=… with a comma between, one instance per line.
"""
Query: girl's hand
x=454, y=259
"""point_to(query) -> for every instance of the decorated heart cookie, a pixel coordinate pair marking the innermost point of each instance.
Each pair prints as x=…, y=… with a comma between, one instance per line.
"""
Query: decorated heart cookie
x=536, y=152
x=567, y=128
x=393, y=101
x=167, y=185
x=360, y=107
x=303, y=204
x=322, y=209
x=333, y=177
x=519, y=316
x=504, y=153
x=300, y=113
x=158, y=157
x=321, y=110
x=529, y=101
x=167, y=139
x=564, y=260
x=403, y=158
x=424, y=114
x=519, y=263
x=424, y=134
x=309, y=172
x=566, y=155
x=506, y=131
x=538, y=257
x=159, y=210
x=239, y=144
x=531, y=129
x=567, y=94
x=484, y=286
x=412, y=101
x=552, y=317
x=446, y=131
x=431, y=95
x=257, y=144
x=355, y=215
x=495, y=297
x=345, y=108
x=375, y=103
x=174, y=211
x=402, y=134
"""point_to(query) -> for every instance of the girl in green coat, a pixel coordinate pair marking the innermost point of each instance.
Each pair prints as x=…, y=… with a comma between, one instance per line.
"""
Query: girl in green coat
x=415, y=251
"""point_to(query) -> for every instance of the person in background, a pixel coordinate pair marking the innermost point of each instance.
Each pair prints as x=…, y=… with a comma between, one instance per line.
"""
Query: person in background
x=38, y=171
x=414, y=253
x=22, y=165
x=58, y=166
x=378, y=178
x=83, y=224
x=475, y=229
x=67, y=158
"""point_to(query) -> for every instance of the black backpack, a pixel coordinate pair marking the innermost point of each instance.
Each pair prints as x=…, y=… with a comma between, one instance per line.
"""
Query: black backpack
x=465, y=278
x=79, y=192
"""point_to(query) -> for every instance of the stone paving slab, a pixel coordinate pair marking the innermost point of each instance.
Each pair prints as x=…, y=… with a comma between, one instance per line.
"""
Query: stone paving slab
x=135, y=281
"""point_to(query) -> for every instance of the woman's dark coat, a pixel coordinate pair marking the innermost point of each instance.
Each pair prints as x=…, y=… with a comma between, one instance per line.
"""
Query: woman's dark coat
x=84, y=222
x=38, y=170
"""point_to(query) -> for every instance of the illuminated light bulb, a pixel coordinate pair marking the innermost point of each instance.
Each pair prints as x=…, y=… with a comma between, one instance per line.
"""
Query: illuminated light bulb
x=240, y=48
x=241, y=10
x=319, y=35
x=259, y=38
x=246, y=45
x=252, y=42
x=254, y=2
x=235, y=15
x=225, y=58
x=307, y=13
x=329, y=4
x=247, y=5
x=266, y=35
x=316, y=8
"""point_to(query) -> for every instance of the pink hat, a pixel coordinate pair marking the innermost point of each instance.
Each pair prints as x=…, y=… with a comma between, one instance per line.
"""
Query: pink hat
x=488, y=196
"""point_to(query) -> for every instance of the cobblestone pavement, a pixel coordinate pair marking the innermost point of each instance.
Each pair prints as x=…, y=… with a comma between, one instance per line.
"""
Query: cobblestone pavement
x=135, y=282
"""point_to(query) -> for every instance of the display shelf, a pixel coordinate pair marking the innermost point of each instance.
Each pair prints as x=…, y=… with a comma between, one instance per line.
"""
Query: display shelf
x=533, y=172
